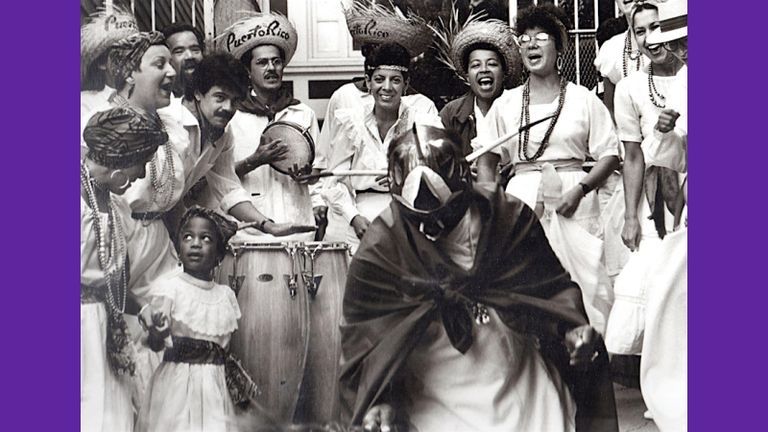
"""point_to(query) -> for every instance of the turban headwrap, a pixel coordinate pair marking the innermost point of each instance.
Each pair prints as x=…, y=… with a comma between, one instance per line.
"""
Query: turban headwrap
x=122, y=137
x=125, y=56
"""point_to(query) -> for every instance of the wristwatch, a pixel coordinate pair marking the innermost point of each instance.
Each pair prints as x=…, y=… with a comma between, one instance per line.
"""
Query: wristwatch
x=584, y=188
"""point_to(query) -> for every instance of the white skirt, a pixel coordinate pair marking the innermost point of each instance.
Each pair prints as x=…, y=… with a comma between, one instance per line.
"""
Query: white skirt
x=574, y=240
x=105, y=398
x=187, y=397
x=664, y=368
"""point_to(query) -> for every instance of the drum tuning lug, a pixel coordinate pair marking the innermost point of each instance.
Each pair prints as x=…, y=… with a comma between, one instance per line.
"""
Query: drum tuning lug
x=236, y=282
x=290, y=283
x=313, y=284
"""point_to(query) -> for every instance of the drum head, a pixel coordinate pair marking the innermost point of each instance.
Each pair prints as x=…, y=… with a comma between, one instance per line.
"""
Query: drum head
x=301, y=147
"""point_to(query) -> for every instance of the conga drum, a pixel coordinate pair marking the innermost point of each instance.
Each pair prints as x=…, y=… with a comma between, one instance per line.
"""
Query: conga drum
x=272, y=340
x=324, y=273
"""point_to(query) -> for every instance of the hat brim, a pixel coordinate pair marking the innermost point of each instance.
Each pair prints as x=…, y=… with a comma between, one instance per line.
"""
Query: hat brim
x=659, y=36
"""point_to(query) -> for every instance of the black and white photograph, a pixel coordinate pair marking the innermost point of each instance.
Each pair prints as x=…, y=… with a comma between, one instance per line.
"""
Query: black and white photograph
x=383, y=215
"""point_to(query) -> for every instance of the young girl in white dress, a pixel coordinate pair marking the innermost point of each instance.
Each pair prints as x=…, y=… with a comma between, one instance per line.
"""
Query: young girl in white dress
x=188, y=392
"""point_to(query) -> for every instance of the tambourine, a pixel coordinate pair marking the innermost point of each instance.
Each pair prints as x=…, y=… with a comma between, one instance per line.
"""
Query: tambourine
x=301, y=146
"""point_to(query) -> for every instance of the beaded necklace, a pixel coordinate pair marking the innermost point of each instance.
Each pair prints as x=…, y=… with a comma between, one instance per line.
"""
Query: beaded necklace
x=525, y=118
x=162, y=183
x=627, y=55
x=112, y=252
x=653, y=93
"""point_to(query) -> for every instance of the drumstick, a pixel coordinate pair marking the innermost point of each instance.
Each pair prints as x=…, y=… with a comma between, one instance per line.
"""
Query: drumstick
x=488, y=147
x=345, y=173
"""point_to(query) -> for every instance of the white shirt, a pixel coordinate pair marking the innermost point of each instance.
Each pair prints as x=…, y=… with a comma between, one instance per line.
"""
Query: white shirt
x=275, y=195
x=611, y=57
x=636, y=118
x=584, y=128
x=358, y=146
x=215, y=162
x=349, y=96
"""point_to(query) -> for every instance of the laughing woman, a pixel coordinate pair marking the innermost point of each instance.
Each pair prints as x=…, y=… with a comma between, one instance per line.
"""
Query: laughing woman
x=650, y=190
x=484, y=54
x=144, y=77
x=120, y=142
x=547, y=159
x=362, y=138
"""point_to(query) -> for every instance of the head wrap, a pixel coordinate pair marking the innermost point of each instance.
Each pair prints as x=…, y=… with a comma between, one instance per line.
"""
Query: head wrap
x=673, y=22
x=102, y=30
x=260, y=29
x=371, y=23
x=224, y=227
x=126, y=53
x=122, y=137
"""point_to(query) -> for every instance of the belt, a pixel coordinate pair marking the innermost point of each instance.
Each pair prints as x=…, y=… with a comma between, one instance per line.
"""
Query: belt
x=147, y=216
x=91, y=294
x=358, y=192
x=194, y=351
x=559, y=164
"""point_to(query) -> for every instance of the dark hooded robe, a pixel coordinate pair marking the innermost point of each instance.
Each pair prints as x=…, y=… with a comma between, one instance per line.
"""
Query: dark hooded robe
x=399, y=282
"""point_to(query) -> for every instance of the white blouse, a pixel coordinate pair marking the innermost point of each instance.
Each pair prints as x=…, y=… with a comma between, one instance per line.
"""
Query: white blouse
x=585, y=127
x=636, y=118
x=358, y=146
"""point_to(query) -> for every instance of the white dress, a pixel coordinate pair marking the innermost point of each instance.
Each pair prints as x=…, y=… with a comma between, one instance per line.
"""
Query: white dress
x=358, y=146
x=501, y=384
x=186, y=397
x=276, y=195
x=611, y=58
x=584, y=128
x=636, y=117
x=664, y=368
x=105, y=398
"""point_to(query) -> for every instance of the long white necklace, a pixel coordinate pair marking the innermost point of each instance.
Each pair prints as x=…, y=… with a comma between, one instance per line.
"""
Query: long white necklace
x=111, y=251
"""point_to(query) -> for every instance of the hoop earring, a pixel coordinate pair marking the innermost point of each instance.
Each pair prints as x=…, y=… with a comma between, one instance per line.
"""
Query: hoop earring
x=559, y=62
x=127, y=180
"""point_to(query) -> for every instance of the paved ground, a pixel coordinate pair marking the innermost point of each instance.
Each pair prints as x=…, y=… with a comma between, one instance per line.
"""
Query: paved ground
x=630, y=407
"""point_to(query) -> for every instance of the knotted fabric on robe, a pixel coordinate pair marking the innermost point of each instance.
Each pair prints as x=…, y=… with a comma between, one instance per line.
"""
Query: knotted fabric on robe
x=399, y=282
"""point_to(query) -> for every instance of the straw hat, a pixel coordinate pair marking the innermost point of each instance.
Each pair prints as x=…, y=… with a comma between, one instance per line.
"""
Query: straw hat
x=493, y=32
x=369, y=22
x=102, y=30
x=454, y=40
x=260, y=29
x=673, y=22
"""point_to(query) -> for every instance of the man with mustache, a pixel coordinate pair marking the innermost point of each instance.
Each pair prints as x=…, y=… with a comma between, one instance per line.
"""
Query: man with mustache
x=187, y=49
x=264, y=44
x=217, y=85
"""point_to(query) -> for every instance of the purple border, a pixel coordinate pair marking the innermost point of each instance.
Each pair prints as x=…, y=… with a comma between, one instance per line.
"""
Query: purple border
x=727, y=294
x=40, y=78
x=40, y=297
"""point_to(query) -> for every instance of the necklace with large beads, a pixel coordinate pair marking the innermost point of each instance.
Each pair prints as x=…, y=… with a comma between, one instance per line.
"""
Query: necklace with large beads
x=525, y=118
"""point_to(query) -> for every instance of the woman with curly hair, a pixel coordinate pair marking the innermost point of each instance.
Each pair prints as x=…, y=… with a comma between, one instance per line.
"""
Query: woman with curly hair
x=547, y=159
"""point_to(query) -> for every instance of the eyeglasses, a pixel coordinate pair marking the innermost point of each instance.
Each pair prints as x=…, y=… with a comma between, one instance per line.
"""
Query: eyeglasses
x=264, y=62
x=540, y=38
